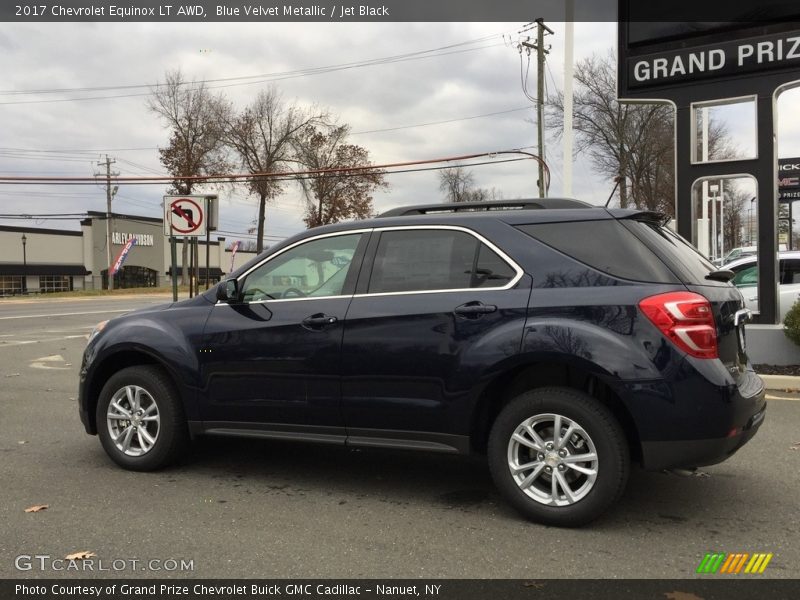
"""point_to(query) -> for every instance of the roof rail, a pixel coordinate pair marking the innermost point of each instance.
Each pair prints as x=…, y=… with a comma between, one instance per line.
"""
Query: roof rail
x=455, y=207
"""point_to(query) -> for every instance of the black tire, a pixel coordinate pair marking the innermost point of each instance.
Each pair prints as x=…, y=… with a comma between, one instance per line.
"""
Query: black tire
x=171, y=436
x=604, y=434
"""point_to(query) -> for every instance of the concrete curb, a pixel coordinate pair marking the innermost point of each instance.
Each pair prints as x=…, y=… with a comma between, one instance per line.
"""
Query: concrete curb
x=45, y=299
x=781, y=382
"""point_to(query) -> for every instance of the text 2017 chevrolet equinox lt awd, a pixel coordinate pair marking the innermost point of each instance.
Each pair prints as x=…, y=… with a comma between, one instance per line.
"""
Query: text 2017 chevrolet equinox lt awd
x=562, y=340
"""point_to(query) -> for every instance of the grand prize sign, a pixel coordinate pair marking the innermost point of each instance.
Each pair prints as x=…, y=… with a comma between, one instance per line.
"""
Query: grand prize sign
x=694, y=65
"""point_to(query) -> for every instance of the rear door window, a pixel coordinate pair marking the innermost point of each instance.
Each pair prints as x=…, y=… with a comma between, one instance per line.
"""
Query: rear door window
x=416, y=260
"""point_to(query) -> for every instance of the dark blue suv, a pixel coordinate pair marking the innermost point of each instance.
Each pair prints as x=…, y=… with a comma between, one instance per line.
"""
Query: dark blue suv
x=562, y=340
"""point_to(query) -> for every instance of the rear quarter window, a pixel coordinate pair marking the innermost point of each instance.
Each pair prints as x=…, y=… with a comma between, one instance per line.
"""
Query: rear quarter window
x=683, y=258
x=606, y=246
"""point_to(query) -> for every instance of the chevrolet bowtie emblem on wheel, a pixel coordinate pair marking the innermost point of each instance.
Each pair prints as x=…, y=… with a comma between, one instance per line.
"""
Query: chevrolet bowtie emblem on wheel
x=733, y=564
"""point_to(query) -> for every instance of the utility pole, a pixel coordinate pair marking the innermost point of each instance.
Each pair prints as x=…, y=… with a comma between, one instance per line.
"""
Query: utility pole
x=541, y=28
x=569, y=43
x=109, y=195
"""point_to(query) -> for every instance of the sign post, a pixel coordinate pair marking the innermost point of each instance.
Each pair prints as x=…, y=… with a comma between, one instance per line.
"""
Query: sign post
x=211, y=224
x=184, y=216
x=174, y=253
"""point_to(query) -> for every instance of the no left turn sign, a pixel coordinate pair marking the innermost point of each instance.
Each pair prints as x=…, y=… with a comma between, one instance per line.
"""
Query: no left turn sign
x=185, y=215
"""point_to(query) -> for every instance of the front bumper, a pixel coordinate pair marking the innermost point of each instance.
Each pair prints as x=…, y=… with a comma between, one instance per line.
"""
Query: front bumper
x=83, y=392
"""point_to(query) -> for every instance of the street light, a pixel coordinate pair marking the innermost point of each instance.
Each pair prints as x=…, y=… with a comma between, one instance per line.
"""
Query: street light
x=24, y=265
x=714, y=189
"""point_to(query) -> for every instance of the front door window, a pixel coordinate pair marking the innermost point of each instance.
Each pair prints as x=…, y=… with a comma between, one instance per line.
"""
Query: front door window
x=316, y=269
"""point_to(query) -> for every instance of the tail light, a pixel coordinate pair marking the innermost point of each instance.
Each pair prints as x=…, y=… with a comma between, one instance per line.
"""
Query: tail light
x=685, y=318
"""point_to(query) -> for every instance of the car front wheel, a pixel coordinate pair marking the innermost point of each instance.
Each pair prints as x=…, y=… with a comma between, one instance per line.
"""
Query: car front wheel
x=558, y=456
x=140, y=419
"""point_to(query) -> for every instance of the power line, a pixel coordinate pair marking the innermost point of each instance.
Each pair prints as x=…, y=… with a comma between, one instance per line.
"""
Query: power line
x=279, y=176
x=259, y=76
x=265, y=78
x=21, y=152
x=491, y=114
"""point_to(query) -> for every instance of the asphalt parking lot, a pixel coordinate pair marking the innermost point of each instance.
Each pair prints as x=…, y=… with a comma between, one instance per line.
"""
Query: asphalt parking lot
x=242, y=508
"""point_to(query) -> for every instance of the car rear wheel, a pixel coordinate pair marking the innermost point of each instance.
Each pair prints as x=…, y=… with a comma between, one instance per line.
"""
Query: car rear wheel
x=558, y=456
x=140, y=419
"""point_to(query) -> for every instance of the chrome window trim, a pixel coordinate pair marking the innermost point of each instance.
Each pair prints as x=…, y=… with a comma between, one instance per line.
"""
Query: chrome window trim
x=505, y=257
x=295, y=299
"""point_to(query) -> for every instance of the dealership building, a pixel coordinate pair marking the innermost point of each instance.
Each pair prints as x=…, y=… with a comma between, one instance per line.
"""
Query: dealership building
x=37, y=260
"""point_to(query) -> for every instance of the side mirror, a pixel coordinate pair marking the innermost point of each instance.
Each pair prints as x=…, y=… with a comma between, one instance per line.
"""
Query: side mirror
x=228, y=291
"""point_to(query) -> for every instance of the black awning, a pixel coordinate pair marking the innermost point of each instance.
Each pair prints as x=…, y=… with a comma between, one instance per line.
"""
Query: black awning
x=39, y=269
x=214, y=272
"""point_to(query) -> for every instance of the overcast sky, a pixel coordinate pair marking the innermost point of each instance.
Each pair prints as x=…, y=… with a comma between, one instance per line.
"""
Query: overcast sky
x=479, y=77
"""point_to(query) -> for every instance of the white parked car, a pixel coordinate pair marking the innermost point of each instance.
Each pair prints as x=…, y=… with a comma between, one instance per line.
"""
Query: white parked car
x=735, y=254
x=746, y=279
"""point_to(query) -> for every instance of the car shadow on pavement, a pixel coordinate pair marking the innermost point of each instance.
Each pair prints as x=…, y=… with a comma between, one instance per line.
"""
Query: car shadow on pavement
x=406, y=478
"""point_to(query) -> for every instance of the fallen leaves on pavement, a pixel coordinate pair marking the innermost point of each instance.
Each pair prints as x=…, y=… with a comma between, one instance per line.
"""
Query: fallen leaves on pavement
x=82, y=555
x=682, y=596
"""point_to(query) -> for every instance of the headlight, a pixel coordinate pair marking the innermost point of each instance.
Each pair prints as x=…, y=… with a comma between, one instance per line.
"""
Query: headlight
x=97, y=329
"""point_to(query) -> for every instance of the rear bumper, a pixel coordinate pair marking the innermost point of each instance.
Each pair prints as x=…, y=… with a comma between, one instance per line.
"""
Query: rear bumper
x=701, y=416
x=699, y=453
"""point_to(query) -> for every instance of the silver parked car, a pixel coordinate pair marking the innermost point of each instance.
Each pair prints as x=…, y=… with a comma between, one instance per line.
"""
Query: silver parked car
x=746, y=279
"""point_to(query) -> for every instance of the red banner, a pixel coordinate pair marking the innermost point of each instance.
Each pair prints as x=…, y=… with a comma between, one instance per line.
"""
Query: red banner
x=123, y=254
x=234, y=248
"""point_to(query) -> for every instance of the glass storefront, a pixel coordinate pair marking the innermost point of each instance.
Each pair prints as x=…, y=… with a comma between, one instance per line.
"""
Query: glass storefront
x=132, y=277
x=10, y=285
x=55, y=283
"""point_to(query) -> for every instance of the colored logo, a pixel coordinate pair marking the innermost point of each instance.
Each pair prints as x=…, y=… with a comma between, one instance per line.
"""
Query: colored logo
x=733, y=564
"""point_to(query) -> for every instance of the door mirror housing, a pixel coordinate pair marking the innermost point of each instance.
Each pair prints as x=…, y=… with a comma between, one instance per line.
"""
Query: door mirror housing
x=228, y=291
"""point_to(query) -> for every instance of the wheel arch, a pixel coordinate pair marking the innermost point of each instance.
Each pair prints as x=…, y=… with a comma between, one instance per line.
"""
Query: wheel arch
x=115, y=362
x=586, y=377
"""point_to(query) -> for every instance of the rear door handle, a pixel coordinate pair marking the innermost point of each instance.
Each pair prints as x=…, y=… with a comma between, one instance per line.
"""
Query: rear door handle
x=319, y=321
x=474, y=309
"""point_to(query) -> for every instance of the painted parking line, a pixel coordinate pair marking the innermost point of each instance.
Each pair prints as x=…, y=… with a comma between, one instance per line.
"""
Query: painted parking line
x=790, y=398
x=13, y=343
x=72, y=314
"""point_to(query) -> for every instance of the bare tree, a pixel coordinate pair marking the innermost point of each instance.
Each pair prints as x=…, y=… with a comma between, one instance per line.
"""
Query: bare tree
x=486, y=194
x=263, y=137
x=346, y=191
x=195, y=147
x=737, y=201
x=456, y=183
x=632, y=142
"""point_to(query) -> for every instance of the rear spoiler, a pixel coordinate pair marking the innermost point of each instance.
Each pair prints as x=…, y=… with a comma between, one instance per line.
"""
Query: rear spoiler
x=649, y=216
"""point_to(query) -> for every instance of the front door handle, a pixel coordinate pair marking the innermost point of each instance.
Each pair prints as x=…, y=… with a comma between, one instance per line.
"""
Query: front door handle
x=319, y=321
x=474, y=309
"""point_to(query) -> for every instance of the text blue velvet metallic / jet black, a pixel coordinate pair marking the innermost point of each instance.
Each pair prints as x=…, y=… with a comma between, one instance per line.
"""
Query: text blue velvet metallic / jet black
x=404, y=370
